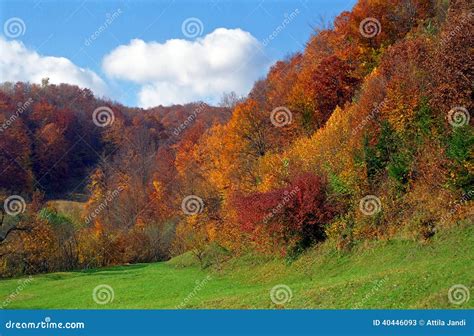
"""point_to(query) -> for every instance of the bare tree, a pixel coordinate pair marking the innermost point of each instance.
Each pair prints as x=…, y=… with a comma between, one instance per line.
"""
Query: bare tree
x=7, y=229
x=230, y=100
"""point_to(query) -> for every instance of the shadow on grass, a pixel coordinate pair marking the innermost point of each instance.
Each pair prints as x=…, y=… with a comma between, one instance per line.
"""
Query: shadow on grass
x=110, y=270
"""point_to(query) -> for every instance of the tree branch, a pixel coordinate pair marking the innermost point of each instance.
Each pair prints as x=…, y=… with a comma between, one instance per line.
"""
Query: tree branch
x=4, y=235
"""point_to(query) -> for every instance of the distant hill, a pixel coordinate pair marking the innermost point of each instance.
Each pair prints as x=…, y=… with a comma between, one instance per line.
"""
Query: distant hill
x=51, y=143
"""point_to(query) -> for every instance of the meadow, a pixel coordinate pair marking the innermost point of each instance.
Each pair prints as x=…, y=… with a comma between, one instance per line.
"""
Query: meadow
x=341, y=177
x=383, y=274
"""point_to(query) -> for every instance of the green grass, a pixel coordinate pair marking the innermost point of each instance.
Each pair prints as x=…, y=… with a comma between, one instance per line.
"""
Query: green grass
x=72, y=209
x=389, y=274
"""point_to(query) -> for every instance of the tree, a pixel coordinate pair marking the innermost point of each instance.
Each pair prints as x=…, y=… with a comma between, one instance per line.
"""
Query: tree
x=297, y=214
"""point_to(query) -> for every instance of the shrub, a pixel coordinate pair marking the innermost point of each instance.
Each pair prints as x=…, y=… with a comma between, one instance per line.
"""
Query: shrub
x=295, y=215
x=460, y=150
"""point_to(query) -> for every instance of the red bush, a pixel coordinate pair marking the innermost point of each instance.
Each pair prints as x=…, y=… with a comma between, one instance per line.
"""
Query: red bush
x=298, y=211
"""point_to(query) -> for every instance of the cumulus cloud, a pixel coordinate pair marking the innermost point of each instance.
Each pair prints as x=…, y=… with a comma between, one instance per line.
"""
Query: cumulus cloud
x=18, y=63
x=180, y=71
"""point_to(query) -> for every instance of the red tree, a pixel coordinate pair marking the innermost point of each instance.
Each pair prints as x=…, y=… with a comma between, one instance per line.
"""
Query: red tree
x=299, y=211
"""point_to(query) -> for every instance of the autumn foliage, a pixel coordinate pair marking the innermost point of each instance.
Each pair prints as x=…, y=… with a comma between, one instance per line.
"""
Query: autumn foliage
x=293, y=215
x=367, y=116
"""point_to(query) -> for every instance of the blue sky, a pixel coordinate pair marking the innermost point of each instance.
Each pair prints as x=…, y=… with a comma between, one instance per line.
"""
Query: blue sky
x=61, y=29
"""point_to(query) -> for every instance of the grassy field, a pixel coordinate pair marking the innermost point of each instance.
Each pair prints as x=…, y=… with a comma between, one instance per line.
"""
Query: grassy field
x=72, y=209
x=391, y=274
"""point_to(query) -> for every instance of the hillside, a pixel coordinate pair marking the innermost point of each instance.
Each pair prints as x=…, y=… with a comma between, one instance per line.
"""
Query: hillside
x=392, y=274
x=351, y=161
x=58, y=134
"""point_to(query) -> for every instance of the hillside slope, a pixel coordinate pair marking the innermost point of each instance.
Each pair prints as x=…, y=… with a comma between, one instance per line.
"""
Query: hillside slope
x=390, y=274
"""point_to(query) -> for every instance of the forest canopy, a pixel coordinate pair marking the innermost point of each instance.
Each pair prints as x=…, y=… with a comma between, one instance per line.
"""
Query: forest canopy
x=365, y=134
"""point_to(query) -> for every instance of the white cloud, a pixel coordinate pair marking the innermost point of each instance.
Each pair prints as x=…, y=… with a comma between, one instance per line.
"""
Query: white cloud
x=19, y=63
x=181, y=71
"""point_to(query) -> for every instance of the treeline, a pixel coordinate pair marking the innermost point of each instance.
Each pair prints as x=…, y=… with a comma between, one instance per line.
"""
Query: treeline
x=365, y=134
x=60, y=142
x=53, y=136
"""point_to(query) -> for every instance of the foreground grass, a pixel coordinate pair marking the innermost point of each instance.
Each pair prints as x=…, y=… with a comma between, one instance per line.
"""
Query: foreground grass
x=393, y=274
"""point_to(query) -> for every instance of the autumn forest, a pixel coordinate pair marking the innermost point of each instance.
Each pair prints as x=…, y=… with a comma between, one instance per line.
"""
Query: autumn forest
x=364, y=135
